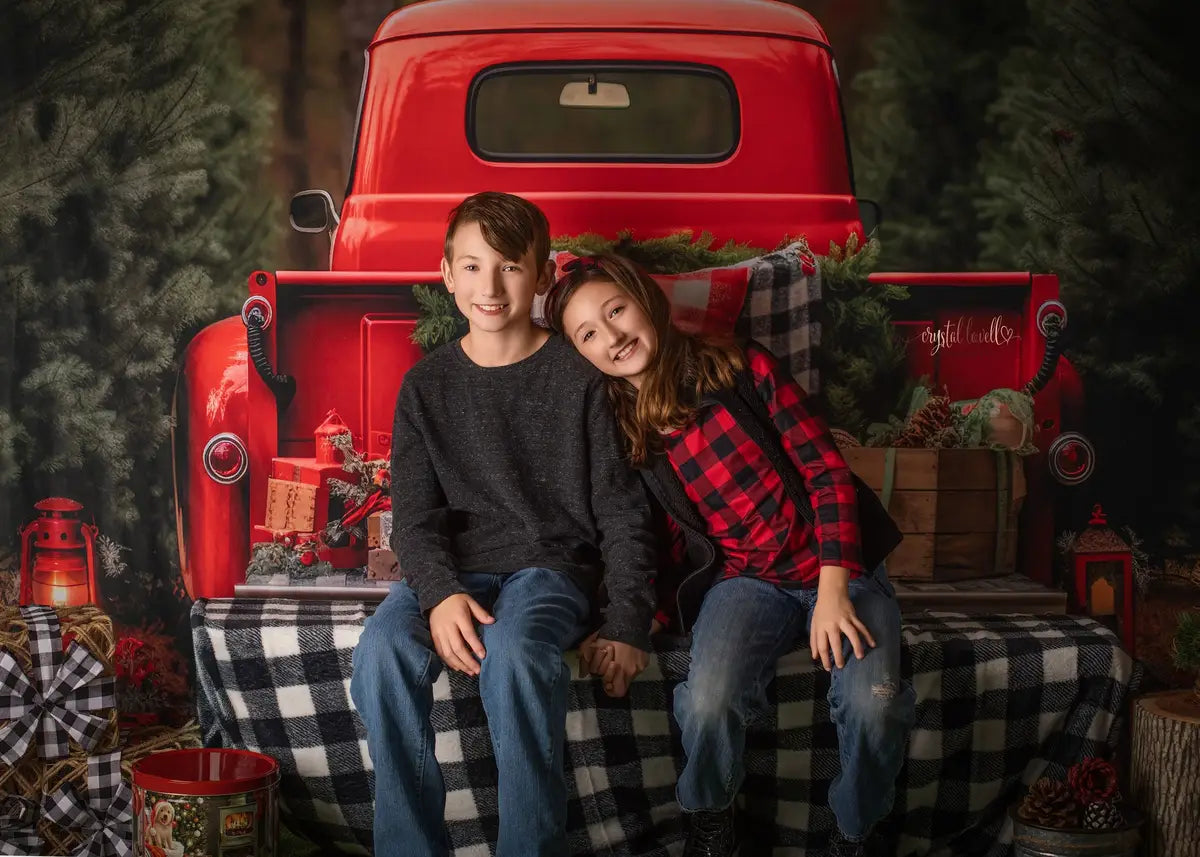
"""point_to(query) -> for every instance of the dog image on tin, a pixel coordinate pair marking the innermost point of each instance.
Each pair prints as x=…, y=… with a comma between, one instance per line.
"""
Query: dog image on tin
x=160, y=832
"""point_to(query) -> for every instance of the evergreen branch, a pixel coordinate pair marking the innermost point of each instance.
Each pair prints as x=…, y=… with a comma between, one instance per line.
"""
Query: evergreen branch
x=1186, y=643
x=110, y=557
x=439, y=321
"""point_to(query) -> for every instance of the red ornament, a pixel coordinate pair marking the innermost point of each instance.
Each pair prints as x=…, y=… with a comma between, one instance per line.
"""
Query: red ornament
x=308, y=557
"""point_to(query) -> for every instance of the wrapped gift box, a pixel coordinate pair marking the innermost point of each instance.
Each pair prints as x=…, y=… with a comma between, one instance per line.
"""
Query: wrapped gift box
x=382, y=565
x=379, y=529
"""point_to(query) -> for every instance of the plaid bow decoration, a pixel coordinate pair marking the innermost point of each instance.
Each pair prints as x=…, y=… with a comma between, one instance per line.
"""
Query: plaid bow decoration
x=18, y=826
x=58, y=704
x=106, y=820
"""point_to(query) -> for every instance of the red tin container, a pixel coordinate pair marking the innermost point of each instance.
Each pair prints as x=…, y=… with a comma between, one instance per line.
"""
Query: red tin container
x=206, y=803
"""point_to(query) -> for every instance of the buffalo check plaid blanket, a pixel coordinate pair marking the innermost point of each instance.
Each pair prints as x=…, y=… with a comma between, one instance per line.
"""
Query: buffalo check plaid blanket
x=772, y=298
x=1001, y=700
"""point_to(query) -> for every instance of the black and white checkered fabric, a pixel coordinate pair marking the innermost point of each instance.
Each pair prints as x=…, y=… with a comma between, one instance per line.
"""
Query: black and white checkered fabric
x=105, y=818
x=65, y=700
x=274, y=676
x=18, y=826
x=1000, y=701
x=781, y=311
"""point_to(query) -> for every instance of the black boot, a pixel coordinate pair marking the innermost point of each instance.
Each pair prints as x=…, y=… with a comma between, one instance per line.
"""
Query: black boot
x=711, y=834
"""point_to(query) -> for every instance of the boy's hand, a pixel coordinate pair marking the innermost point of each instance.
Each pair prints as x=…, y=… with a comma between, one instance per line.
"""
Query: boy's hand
x=833, y=615
x=452, y=626
x=618, y=663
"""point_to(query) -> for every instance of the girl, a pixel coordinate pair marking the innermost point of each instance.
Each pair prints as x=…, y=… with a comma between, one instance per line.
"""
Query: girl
x=725, y=442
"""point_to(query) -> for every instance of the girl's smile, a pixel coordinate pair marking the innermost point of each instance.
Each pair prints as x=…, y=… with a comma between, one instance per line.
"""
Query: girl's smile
x=625, y=351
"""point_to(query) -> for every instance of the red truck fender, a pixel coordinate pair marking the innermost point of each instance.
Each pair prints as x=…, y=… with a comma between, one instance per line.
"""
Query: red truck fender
x=209, y=437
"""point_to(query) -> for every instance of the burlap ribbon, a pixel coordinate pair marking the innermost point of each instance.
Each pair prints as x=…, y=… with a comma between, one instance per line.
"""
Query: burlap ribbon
x=18, y=826
x=59, y=704
x=106, y=819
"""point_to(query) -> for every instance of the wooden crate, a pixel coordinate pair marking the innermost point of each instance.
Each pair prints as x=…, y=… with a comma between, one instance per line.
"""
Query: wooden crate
x=957, y=509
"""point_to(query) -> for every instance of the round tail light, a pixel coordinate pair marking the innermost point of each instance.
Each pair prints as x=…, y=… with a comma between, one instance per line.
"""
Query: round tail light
x=1072, y=458
x=225, y=459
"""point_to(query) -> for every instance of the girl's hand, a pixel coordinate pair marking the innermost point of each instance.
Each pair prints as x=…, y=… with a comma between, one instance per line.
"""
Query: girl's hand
x=832, y=617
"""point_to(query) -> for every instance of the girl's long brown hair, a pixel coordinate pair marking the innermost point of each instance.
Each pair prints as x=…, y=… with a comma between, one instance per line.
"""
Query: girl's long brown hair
x=684, y=367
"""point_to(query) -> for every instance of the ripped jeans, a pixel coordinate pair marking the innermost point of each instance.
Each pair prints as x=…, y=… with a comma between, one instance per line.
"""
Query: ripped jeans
x=745, y=626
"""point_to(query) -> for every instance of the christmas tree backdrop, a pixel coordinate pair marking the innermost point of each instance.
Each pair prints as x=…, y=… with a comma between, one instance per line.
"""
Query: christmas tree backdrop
x=916, y=119
x=1059, y=137
x=129, y=218
x=1110, y=202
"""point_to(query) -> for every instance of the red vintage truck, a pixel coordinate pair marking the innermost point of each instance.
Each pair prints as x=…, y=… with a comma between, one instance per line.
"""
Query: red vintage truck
x=647, y=115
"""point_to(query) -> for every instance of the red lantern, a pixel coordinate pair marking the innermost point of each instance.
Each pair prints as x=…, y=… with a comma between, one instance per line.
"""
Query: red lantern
x=58, y=556
x=1102, y=570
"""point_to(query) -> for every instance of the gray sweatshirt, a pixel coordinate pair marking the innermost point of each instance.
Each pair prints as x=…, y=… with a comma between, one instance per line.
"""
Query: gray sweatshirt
x=496, y=469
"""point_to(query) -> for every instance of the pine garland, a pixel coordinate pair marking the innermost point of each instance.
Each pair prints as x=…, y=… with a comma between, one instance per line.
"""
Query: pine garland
x=671, y=254
x=863, y=363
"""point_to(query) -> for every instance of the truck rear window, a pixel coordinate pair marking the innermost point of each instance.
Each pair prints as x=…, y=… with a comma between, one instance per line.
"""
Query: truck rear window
x=602, y=113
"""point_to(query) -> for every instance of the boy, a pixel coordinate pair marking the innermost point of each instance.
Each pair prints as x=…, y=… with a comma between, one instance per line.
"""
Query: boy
x=509, y=493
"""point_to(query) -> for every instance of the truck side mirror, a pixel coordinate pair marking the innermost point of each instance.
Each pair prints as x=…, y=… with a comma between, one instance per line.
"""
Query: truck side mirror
x=312, y=211
x=871, y=216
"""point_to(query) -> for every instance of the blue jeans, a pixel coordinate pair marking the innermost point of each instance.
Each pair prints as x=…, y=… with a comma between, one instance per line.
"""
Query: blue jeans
x=523, y=683
x=745, y=626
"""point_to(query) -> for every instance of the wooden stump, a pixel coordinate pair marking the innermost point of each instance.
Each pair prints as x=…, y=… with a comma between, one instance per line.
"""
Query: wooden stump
x=1165, y=772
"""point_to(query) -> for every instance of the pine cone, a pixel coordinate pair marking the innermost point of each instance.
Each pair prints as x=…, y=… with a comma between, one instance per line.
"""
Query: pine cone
x=1103, y=815
x=925, y=427
x=1050, y=803
x=844, y=439
x=1092, y=780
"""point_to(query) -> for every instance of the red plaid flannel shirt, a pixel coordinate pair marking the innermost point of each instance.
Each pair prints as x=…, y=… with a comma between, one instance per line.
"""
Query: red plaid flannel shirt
x=743, y=499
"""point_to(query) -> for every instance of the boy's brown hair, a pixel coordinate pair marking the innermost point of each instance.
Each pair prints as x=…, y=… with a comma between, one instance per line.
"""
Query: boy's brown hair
x=510, y=225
